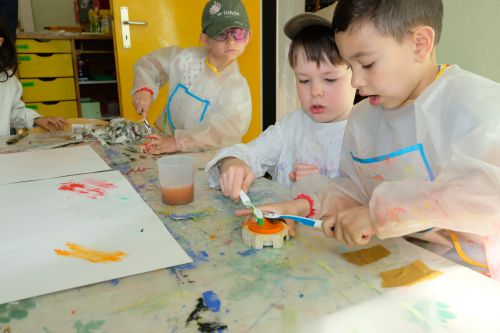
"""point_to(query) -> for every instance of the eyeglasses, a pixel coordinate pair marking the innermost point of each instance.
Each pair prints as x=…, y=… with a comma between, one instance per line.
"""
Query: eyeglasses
x=239, y=35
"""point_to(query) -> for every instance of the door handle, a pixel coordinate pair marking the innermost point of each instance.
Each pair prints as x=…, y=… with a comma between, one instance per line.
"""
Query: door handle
x=127, y=43
x=135, y=22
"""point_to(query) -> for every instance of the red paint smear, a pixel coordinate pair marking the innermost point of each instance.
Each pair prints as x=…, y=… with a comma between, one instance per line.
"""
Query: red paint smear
x=91, y=188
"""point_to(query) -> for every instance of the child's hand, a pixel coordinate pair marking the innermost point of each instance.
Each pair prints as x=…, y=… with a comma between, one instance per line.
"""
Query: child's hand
x=49, y=123
x=301, y=170
x=159, y=144
x=298, y=207
x=235, y=175
x=142, y=102
x=353, y=226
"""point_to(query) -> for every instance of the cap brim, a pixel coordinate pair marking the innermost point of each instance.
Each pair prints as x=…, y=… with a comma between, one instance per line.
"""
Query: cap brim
x=215, y=29
x=299, y=22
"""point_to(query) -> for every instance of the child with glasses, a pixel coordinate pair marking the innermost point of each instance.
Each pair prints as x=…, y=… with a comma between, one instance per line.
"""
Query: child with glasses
x=209, y=103
x=307, y=141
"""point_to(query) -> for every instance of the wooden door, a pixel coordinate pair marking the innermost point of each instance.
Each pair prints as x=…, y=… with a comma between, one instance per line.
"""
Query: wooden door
x=177, y=22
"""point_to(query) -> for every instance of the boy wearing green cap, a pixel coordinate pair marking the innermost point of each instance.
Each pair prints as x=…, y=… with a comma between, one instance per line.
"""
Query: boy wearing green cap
x=209, y=103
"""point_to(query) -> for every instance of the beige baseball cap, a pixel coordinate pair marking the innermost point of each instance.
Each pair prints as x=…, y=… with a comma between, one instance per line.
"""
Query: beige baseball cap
x=297, y=23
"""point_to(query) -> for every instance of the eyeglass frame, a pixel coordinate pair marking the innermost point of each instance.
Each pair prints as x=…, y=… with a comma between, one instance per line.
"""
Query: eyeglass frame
x=231, y=31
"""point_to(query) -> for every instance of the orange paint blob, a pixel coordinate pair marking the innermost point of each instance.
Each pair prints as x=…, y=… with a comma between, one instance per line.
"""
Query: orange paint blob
x=95, y=256
x=267, y=227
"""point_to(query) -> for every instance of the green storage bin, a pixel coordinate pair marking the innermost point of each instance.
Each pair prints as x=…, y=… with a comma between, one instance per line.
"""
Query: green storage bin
x=90, y=108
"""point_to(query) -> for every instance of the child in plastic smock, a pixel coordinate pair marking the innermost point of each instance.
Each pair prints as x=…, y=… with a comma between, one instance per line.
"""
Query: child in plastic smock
x=308, y=140
x=420, y=155
x=13, y=111
x=209, y=103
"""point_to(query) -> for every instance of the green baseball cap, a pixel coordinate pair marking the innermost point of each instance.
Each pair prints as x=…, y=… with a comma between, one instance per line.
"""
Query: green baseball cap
x=219, y=15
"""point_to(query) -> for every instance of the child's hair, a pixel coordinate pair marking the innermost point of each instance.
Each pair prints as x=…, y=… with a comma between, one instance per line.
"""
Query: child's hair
x=392, y=18
x=8, y=54
x=318, y=45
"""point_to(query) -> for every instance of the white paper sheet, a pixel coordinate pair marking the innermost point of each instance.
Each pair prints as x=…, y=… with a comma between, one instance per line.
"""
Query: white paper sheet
x=44, y=164
x=99, y=211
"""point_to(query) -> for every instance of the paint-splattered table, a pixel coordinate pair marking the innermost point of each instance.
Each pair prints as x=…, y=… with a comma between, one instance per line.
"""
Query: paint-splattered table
x=304, y=286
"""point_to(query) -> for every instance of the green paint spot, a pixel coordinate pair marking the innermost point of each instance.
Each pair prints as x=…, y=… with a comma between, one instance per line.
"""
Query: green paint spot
x=22, y=47
x=445, y=315
x=18, y=314
x=28, y=304
x=121, y=197
x=28, y=84
x=32, y=106
x=442, y=305
x=24, y=58
x=89, y=327
x=4, y=320
x=3, y=308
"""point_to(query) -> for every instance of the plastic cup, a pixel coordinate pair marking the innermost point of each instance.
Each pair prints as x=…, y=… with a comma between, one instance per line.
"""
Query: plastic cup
x=176, y=174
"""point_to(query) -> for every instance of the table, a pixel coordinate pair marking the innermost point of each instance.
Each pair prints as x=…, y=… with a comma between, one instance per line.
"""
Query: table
x=304, y=286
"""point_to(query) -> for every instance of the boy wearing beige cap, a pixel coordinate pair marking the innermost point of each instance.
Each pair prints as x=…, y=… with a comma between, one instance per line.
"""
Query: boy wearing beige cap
x=209, y=103
x=308, y=140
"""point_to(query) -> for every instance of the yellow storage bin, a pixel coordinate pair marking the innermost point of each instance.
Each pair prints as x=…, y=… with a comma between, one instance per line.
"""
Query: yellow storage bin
x=42, y=90
x=45, y=65
x=65, y=109
x=43, y=46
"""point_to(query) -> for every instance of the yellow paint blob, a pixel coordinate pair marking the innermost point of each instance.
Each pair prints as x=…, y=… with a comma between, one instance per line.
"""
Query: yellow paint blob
x=408, y=275
x=94, y=256
x=366, y=256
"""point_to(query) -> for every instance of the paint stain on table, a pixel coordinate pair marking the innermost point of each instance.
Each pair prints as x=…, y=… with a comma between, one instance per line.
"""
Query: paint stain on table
x=95, y=256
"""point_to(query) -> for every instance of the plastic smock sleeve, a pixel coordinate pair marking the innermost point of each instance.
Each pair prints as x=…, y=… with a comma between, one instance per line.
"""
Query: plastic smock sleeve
x=20, y=115
x=225, y=126
x=458, y=119
x=153, y=70
x=261, y=154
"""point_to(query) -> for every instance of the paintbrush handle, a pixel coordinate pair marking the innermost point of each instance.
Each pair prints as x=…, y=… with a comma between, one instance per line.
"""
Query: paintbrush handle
x=16, y=138
x=304, y=220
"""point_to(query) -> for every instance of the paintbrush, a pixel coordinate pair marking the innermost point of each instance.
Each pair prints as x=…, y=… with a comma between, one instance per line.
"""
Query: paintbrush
x=146, y=123
x=16, y=138
x=300, y=219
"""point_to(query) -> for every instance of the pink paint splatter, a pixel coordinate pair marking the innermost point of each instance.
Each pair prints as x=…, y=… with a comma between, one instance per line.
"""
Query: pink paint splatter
x=92, y=188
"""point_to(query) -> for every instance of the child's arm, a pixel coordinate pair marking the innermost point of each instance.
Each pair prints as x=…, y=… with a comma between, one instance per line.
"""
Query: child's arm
x=151, y=72
x=260, y=155
x=20, y=115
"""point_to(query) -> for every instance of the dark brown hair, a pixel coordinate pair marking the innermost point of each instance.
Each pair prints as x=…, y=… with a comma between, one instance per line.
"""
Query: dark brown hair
x=318, y=45
x=392, y=18
x=8, y=54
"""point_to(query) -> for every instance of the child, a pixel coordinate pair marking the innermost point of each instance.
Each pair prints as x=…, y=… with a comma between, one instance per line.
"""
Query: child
x=209, y=103
x=421, y=151
x=13, y=112
x=308, y=140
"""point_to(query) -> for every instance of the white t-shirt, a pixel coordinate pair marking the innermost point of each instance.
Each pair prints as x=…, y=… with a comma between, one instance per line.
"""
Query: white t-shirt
x=294, y=139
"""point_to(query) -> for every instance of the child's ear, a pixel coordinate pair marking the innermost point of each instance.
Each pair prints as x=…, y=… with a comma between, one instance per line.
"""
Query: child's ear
x=1, y=41
x=423, y=39
x=203, y=39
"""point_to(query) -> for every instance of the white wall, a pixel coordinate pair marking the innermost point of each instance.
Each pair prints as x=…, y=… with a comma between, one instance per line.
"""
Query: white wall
x=471, y=36
x=286, y=96
x=53, y=12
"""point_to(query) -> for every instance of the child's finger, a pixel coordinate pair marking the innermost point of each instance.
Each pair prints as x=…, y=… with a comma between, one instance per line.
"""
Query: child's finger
x=243, y=212
x=291, y=227
x=247, y=181
x=292, y=175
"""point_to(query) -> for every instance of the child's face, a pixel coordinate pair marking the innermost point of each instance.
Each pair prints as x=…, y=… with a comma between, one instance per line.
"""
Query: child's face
x=325, y=92
x=383, y=69
x=227, y=50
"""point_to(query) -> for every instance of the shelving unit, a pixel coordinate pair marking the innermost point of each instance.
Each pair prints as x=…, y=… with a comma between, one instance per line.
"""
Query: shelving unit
x=100, y=86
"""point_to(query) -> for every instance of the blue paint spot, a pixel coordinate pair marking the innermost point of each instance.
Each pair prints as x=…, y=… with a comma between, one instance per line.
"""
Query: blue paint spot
x=198, y=259
x=301, y=295
x=211, y=300
x=249, y=252
x=222, y=253
x=115, y=282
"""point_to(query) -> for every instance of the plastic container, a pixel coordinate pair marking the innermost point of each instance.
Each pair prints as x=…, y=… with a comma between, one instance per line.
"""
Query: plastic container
x=176, y=175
